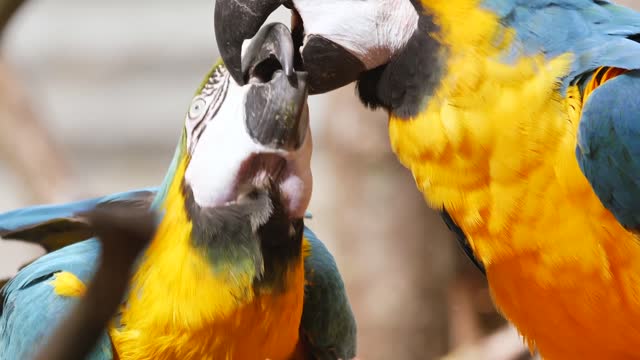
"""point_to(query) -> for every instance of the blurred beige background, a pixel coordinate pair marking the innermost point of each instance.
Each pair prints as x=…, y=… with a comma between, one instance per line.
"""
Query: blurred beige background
x=110, y=82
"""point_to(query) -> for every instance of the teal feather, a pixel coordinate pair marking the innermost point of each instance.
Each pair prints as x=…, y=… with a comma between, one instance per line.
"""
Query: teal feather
x=327, y=320
x=46, y=224
x=29, y=307
x=179, y=153
x=608, y=150
x=598, y=33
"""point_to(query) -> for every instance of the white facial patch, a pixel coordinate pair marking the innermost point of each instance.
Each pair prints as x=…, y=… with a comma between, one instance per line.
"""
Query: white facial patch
x=372, y=30
x=220, y=151
x=223, y=144
x=205, y=106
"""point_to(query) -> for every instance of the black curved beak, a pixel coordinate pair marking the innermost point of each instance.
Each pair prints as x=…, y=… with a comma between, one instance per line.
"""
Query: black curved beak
x=328, y=64
x=236, y=21
x=276, y=114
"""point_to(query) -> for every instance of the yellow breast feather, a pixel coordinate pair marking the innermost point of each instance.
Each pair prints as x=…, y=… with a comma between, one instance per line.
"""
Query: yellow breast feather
x=179, y=309
x=495, y=146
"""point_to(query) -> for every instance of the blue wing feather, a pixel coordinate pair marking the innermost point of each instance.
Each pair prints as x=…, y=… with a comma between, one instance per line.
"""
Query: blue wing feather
x=26, y=217
x=55, y=226
x=608, y=150
x=31, y=309
x=598, y=33
x=327, y=320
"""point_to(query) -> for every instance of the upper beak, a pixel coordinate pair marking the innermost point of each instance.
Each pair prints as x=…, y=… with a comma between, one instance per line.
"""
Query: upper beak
x=236, y=21
x=277, y=114
x=328, y=64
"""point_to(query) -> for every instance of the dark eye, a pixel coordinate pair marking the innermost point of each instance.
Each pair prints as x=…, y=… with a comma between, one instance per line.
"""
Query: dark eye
x=197, y=109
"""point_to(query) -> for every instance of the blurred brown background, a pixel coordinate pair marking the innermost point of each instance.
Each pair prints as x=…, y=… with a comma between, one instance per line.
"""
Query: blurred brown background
x=92, y=102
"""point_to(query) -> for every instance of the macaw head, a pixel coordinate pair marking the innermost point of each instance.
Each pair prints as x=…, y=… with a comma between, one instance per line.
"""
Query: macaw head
x=242, y=172
x=241, y=135
x=382, y=44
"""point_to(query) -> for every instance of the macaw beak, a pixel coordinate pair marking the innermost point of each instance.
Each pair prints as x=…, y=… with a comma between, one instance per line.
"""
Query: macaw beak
x=236, y=21
x=255, y=133
x=275, y=115
x=329, y=64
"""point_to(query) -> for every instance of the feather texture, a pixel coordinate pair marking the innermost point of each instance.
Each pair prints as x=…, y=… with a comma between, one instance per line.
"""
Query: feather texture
x=30, y=306
x=608, y=148
x=55, y=226
x=328, y=323
x=495, y=146
x=58, y=225
x=598, y=33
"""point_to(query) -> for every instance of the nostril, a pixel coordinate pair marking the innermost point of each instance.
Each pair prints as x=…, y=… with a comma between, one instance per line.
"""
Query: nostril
x=264, y=71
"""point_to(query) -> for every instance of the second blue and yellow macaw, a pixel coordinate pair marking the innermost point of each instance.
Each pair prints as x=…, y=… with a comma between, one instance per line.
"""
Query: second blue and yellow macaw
x=520, y=120
x=231, y=273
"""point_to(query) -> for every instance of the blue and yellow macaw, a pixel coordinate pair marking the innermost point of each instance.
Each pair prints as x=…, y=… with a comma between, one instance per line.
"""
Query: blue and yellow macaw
x=520, y=120
x=231, y=273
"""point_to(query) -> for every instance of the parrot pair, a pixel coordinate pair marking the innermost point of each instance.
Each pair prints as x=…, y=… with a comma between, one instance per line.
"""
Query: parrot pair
x=231, y=272
x=520, y=121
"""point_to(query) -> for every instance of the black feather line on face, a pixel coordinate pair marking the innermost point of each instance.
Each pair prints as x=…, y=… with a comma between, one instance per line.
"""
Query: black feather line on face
x=281, y=244
x=405, y=84
x=418, y=5
x=3, y=295
x=226, y=235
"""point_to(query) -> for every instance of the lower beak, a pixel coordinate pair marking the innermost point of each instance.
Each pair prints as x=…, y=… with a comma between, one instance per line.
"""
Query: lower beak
x=276, y=107
x=330, y=65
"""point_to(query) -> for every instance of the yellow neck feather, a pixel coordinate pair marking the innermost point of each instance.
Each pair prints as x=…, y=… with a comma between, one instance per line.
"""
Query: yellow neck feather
x=178, y=307
x=475, y=142
x=481, y=27
x=495, y=146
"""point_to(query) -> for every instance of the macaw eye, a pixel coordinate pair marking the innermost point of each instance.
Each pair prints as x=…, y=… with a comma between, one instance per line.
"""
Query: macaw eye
x=197, y=109
x=205, y=105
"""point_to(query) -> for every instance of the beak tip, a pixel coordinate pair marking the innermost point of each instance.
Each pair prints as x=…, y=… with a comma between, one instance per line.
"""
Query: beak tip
x=236, y=21
x=289, y=71
x=237, y=77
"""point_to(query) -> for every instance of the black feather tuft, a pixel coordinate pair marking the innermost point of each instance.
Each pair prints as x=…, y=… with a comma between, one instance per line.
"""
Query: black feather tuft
x=226, y=233
x=405, y=84
x=462, y=240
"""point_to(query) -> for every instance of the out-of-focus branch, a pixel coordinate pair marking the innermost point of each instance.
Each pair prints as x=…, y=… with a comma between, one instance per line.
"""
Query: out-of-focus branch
x=24, y=141
x=124, y=232
x=27, y=145
x=504, y=344
x=7, y=9
x=464, y=325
